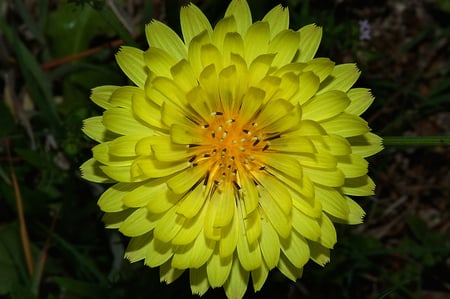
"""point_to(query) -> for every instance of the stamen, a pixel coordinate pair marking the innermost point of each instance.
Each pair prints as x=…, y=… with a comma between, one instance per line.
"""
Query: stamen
x=265, y=147
x=236, y=185
x=192, y=158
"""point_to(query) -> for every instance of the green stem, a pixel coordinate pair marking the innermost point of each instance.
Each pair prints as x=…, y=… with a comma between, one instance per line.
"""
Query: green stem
x=416, y=141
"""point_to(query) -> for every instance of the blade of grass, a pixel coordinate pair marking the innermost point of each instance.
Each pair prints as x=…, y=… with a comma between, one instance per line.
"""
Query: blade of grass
x=37, y=82
x=22, y=223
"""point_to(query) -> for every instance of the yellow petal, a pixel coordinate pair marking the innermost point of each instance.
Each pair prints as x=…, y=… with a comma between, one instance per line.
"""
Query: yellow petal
x=334, y=144
x=269, y=244
x=319, y=254
x=138, y=223
x=152, y=168
x=101, y=95
x=256, y=40
x=310, y=37
x=222, y=28
x=196, y=254
x=259, y=277
x=210, y=54
x=138, y=247
x=93, y=127
x=158, y=253
x=308, y=86
x=199, y=281
x=229, y=239
x=183, y=74
x=182, y=134
x=278, y=19
x=116, y=219
x=321, y=67
x=169, y=274
x=366, y=145
x=122, y=96
x=306, y=204
x=91, y=171
x=191, y=229
x=288, y=269
x=333, y=202
x=221, y=207
x=325, y=105
x=193, y=22
x=236, y=285
x=249, y=255
x=284, y=45
x=121, y=173
x=131, y=61
x=187, y=179
x=362, y=186
x=240, y=10
x=305, y=225
x=259, y=69
x=195, y=52
x=280, y=221
x=249, y=192
x=161, y=36
x=327, y=232
x=101, y=154
x=143, y=194
x=168, y=226
x=147, y=111
x=346, y=125
x=250, y=104
x=352, y=166
x=218, y=268
x=354, y=216
x=125, y=146
x=273, y=111
x=341, y=78
x=112, y=199
x=296, y=249
x=192, y=201
x=361, y=99
x=277, y=191
x=159, y=61
x=326, y=177
x=292, y=144
x=122, y=121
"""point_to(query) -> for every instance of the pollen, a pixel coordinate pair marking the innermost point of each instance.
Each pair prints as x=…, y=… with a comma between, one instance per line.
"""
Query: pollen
x=235, y=141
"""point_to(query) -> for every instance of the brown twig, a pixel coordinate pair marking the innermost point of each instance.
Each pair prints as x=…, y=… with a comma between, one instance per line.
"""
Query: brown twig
x=57, y=62
x=22, y=224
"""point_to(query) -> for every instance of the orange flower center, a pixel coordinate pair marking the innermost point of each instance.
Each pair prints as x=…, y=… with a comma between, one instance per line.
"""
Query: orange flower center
x=230, y=148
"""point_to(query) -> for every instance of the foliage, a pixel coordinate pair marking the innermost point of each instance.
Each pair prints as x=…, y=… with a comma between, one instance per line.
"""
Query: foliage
x=53, y=52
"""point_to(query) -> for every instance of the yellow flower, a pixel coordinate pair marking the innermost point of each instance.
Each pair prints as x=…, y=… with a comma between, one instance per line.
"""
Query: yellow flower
x=234, y=153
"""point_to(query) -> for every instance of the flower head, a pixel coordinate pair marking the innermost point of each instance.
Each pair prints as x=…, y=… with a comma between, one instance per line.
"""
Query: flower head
x=234, y=152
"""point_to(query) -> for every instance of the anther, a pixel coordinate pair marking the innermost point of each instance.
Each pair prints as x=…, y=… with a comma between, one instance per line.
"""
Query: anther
x=236, y=185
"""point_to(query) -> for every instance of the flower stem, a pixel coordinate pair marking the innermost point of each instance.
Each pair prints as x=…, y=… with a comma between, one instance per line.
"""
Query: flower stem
x=416, y=141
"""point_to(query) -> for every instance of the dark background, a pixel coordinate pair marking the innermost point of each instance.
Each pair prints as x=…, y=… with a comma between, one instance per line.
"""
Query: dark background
x=53, y=52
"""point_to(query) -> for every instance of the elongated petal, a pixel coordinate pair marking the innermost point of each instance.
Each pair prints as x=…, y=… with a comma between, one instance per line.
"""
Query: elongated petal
x=131, y=61
x=193, y=22
x=278, y=19
x=310, y=37
x=241, y=12
x=161, y=36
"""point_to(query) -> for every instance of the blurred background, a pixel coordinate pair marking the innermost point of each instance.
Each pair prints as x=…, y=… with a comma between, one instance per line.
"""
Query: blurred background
x=52, y=241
